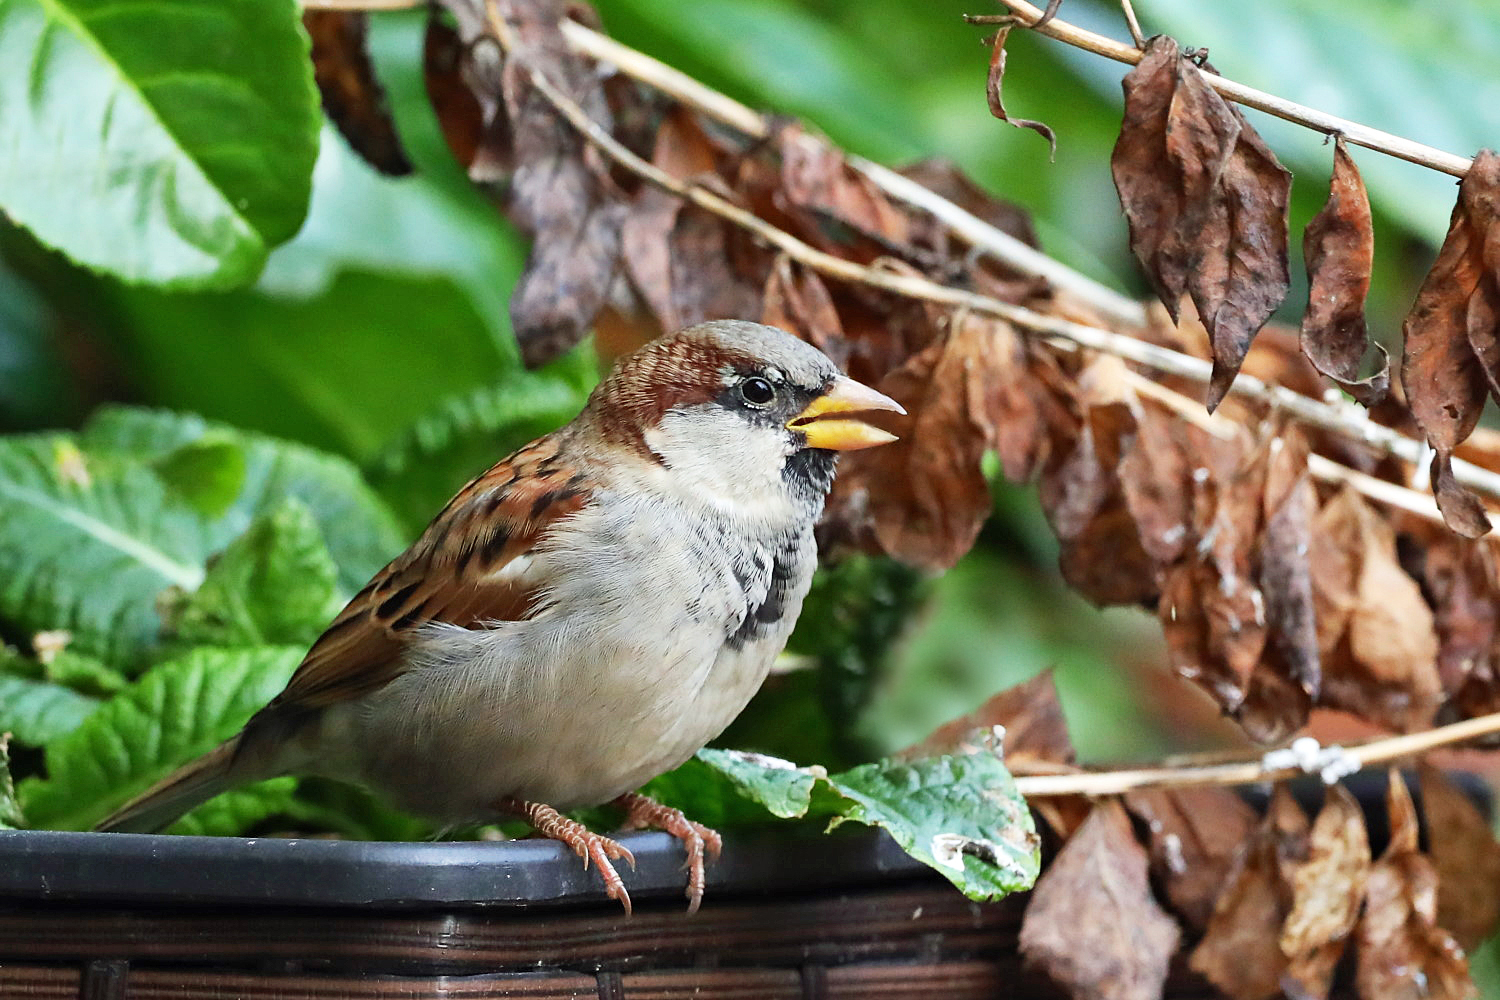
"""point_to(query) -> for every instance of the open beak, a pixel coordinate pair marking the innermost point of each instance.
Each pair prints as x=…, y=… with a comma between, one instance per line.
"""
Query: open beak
x=826, y=425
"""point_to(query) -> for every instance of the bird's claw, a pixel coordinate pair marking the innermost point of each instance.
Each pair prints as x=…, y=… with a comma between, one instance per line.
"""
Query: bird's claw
x=588, y=845
x=697, y=839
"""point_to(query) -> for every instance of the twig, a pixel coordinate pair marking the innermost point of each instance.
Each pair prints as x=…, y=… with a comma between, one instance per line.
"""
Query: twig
x=1382, y=491
x=984, y=237
x=1310, y=411
x=1249, y=772
x=1361, y=135
x=1133, y=24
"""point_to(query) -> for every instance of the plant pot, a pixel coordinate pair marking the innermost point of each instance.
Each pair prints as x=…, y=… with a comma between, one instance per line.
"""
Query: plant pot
x=114, y=916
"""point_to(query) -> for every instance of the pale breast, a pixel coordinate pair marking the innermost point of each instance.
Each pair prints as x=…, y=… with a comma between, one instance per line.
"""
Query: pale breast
x=656, y=626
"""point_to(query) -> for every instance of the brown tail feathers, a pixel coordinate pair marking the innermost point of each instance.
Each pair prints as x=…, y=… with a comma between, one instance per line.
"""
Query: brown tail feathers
x=161, y=804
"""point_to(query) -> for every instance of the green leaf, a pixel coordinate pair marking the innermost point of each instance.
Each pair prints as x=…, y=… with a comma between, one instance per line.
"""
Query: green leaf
x=163, y=141
x=84, y=674
x=173, y=713
x=10, y=809
x=235, y=812
x=781, y=786
x=274, y=584
x=37, y=712
x=87, y=545
x=959, y=814
x=423, y=467
x=208, y=474
x=358, y=528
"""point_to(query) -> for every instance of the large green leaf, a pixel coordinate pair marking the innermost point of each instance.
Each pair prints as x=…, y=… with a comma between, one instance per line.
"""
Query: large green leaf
x=959, y=813
x=357, y=527
x=86, y=545
x=36, y=712
x=173, y=713
x=274, y=584
x=163, y=141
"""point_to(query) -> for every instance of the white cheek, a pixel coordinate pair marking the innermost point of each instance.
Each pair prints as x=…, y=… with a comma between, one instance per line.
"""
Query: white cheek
x=715, y=453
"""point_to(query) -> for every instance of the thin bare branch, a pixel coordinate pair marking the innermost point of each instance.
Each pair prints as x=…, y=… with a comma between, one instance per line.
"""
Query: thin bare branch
x=1249, y=772
x=1130, y=22
x=1025, y=14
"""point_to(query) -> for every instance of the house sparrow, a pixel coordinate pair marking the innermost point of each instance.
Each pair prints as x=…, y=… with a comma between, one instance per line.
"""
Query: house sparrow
x=582, y=617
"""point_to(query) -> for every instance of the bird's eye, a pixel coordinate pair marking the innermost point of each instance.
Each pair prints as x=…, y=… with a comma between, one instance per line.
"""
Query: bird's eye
x=757, y=391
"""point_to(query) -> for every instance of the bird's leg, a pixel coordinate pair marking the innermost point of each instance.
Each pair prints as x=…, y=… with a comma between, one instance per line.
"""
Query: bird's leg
x=589, y=845
x=641, y=811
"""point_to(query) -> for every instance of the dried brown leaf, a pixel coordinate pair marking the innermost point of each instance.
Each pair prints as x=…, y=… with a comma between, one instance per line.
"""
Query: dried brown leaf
x=1195, y=836
x=1206, y=202
x=1101, y=552
x=1451, y=358
x=353, y=98
x=1092, y=925
x=1287, y=680
x=832, y=205
x=796, y=300
x=1466, y=858
x=463, y=112
x=1155, y=479
x=997, y=106
x=1240, y=952
x=1339, y=247
x=925, y=494
x=1035, y=729
x=1403, y=953
x=685, y=151
x=1327, y=890
x=946, y=179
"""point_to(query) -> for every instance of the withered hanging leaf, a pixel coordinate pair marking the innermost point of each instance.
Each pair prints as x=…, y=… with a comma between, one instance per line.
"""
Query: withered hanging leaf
x=1383, y=664
x=926, y=492
x=1035, y=729
x=1019, y=399
x=997, y=106
x=685, y=151
x=1206, y=202
x=1195, y=836
x=832, y=205
x=1459, y=580
x=945, y=178
x=1211, y=609
x=1101, y=553
x=561, y=194
x=1240, y=952
x=1155, y=480
x=1451, y=359
x=1327, y=890
x=1403, y=953
x=1286, y=682
x=461, y=113
x=1339, y=248
x=1466, y=858
x=352, y=95
x=1092, y=925
x=796, y=300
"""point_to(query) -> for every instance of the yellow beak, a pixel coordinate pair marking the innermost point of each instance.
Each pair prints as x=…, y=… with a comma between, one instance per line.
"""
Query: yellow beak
x=824, y=428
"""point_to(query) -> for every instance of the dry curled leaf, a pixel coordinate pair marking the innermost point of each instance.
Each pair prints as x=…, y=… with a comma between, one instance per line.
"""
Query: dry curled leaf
x=1327, y=890
x=1466, y=858
x=796, y=300
x=1375, y=627
x=1035, y=729
x=463, y=112
x=1403, y=953
x=1452, y=352
x=1206, y=203
x=352, y=95
x=997, y=105
x=1092, y=925
x=1241, y=951
x=1339, y=247
x=1195, y=836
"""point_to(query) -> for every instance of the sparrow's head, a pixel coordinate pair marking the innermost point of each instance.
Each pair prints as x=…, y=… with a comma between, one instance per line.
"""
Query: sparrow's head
x=740, y=408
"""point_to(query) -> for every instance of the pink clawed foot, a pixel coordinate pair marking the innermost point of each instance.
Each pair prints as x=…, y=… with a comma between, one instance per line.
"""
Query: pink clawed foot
x=697, y=839
x=588, y=845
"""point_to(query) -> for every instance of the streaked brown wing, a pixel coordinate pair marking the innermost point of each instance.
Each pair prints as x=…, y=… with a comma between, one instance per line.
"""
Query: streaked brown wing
x=454, y=573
